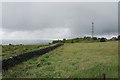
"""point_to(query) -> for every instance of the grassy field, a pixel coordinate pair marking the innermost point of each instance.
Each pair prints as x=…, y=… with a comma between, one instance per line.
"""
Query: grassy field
x=73, y=60
x=10, y=50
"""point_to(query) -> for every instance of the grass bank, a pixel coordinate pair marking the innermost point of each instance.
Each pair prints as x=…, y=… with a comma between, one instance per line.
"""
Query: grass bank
x=10, y=50
x=73, y=60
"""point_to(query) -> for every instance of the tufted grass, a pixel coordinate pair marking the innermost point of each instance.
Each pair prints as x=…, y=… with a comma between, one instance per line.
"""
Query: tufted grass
x=73, y=60
x=10, y=50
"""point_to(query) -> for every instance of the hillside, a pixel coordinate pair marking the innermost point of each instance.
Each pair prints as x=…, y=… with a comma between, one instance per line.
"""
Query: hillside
x=73, y=60
x=79, y=40
x=10, y=50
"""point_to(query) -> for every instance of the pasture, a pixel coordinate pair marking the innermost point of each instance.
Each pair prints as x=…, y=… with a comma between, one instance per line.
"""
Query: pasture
x=73, y=60
x=10, y=50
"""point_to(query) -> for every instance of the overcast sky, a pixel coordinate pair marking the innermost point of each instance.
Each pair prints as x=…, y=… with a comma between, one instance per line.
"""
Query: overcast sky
x=58, y=20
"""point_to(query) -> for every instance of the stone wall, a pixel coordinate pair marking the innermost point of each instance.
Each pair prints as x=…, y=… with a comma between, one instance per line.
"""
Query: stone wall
x=14, y=60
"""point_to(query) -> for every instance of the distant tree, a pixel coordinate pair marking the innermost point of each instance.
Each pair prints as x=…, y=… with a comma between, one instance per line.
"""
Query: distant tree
x=118, y=37
x=103, y=40
x=94, y=38
x=84, y=37
x=76, y=38
x=55, y=41
x=64, y=40
x=99, y=38
x=49, y=43
x=10, y=44
x=72, y=41
x=88, y=37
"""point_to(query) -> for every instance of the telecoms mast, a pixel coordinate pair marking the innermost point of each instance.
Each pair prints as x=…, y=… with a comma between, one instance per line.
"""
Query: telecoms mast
x=92, y=29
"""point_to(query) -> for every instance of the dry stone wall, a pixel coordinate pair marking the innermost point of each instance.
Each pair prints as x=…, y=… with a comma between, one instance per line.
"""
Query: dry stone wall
x=14, y=60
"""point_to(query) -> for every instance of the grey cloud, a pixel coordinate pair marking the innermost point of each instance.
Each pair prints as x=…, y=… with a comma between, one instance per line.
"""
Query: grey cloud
x=27, y=16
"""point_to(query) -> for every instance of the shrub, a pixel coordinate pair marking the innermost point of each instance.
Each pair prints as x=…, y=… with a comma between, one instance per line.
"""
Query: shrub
x=94, y=38
x=10, y=44
x=72, y=41
x=99, y=38
x=118, y=37
x=64, y=40
x=55, y=41
x=103, y=40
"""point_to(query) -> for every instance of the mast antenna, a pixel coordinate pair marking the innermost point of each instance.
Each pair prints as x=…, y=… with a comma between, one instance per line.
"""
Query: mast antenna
x=92, y=29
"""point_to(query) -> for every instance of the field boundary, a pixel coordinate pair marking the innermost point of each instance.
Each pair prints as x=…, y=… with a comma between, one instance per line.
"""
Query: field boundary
x=16, y=59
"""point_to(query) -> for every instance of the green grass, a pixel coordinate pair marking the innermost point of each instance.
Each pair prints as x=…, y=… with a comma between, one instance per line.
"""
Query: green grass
x=77, y=60
x=10, y=50
x=77, y=40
